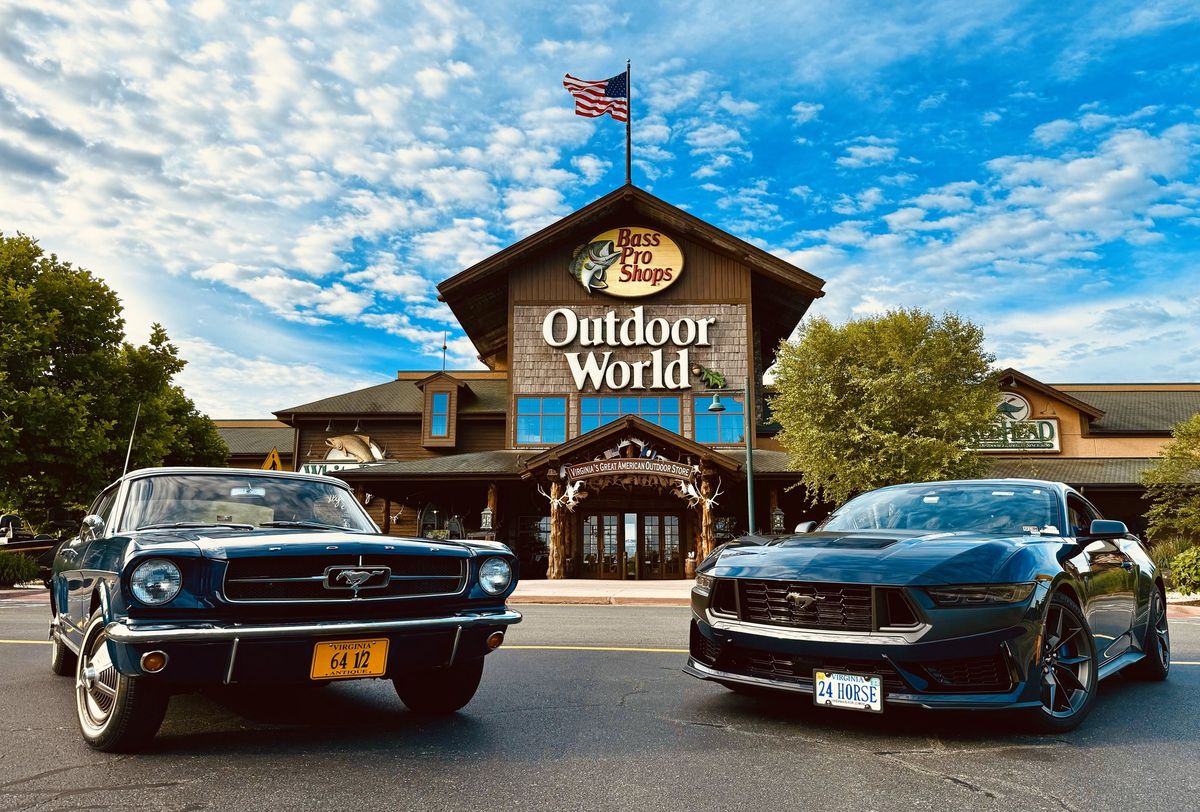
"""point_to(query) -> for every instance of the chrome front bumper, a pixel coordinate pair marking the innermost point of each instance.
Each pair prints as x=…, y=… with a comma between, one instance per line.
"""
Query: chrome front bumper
x=121, y=632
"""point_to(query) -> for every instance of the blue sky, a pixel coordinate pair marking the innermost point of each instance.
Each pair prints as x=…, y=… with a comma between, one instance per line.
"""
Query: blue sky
x=283, y=184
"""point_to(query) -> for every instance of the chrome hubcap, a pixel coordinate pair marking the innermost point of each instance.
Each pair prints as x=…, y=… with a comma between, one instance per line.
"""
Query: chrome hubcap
x=96, y=683
x=1065, y=663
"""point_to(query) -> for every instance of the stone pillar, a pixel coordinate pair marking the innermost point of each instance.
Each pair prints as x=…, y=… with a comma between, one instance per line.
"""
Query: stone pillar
x=558, y=541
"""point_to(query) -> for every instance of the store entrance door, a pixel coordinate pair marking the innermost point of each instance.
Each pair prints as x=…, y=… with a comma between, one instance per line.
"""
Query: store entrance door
x=632, y=546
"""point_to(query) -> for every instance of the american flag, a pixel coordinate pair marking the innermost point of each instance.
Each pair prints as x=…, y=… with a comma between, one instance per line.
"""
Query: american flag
x=597, y=98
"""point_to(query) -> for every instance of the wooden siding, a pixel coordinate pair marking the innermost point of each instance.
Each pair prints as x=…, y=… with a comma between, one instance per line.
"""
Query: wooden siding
x=400, y=437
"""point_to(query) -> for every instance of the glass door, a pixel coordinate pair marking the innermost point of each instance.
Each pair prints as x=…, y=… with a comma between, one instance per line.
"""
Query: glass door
x=630, y=543
x=601, y=555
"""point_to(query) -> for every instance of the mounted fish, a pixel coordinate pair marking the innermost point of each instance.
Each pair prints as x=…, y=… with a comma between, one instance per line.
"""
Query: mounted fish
x=590, y=263
x=353, y=446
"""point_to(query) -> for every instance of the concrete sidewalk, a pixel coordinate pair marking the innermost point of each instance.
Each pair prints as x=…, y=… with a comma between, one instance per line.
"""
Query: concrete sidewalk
x=581, y=590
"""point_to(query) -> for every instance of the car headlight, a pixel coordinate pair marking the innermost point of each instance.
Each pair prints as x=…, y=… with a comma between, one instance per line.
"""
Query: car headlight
x=156, y=581
x=495, y=575
x=980, y=594
x=704, y=582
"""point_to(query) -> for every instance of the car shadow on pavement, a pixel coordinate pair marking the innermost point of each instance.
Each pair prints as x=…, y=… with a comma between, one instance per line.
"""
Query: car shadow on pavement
x=245, y=720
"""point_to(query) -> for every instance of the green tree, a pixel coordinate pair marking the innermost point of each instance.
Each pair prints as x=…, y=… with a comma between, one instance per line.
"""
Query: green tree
x=883, y=400
x=70, y=386
x=1173, y=485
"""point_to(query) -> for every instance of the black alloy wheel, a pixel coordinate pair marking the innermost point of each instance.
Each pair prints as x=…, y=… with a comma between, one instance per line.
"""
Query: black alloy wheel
x=1157, y=643
x=1065, y=667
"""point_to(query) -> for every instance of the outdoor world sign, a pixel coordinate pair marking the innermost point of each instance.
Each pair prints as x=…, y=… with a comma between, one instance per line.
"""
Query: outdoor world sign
x=563, y=327
x=629, y=262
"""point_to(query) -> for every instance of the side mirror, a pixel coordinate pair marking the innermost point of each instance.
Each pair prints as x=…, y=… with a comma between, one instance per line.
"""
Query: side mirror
x=93, y=527
x=806, y=527
x=1107, y=528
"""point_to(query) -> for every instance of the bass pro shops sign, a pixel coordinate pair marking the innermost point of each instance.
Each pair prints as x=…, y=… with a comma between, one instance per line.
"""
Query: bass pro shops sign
x=628, y=262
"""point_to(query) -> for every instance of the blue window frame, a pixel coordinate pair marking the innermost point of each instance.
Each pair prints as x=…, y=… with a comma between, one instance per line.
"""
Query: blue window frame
x=595, y=411
x=541, y=421
x=720, y=428
x=439, y=415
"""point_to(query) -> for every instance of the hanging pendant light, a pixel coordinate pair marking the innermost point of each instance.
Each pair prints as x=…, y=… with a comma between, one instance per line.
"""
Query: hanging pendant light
x=716, y=405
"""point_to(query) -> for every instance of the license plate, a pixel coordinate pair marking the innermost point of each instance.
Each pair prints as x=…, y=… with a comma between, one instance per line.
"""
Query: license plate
x=338, y=659
x=849, y=691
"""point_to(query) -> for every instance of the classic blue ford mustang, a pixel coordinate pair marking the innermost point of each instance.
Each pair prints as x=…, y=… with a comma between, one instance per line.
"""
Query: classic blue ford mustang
x=183, y=578
x=1010, y=594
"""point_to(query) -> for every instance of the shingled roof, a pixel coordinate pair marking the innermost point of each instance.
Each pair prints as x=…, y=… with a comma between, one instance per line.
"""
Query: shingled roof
x=504, y=462
x=404, y=397
x=1140, y=410
x=257, y=440
x=1076, y=470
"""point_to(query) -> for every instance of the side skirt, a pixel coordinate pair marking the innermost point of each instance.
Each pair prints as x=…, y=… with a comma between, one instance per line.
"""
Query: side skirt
x=1113, y=666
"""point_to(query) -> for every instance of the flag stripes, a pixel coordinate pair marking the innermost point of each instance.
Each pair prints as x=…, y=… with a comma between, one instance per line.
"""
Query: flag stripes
x=594, y=99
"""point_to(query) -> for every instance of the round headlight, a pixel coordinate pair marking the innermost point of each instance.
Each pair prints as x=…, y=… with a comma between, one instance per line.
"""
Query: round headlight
x=156, y=581
x=495, y=575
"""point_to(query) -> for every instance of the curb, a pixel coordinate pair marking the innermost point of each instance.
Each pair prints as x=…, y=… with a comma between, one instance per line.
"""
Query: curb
x=24, y=594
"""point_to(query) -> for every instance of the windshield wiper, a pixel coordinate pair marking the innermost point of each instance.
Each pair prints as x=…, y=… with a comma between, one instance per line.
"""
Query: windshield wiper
x=310, y=525
x=177, y=525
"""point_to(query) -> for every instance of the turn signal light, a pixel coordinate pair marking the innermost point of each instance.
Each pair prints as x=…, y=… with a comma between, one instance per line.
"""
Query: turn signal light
x=154, y=661
x=494, y=640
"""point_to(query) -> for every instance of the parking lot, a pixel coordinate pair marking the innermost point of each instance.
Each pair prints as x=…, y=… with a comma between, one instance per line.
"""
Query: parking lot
x=585, y=708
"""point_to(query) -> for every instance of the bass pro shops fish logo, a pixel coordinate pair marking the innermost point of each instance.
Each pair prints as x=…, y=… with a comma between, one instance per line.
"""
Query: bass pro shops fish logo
x=590, y=264
x=628, y=262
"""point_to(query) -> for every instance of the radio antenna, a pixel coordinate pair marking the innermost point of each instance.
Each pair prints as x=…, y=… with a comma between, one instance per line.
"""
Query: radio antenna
x=129, y=451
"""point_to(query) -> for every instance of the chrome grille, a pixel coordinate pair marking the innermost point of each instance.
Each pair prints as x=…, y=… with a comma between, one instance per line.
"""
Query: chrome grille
x=813, y=605
x=304, y=578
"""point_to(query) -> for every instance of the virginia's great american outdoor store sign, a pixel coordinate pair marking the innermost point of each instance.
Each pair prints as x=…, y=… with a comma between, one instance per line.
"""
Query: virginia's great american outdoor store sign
x=663, y=368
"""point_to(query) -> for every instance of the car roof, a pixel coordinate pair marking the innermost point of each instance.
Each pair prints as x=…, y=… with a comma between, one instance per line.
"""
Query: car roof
x=257, y=472
x=1061, y=487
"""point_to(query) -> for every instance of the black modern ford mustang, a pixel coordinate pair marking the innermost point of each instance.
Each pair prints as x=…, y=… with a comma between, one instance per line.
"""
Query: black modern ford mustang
x=1003, y=594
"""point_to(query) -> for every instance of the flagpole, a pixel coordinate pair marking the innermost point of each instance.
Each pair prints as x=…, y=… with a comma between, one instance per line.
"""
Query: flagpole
x=628, y=128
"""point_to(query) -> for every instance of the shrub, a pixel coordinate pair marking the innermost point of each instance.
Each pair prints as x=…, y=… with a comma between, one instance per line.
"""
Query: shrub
x=16, y=569
x=1163, y=551
x=1185, y=571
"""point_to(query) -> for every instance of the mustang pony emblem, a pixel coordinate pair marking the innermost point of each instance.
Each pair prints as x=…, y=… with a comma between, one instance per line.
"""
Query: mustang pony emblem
x=355, y=579
x=799, y=601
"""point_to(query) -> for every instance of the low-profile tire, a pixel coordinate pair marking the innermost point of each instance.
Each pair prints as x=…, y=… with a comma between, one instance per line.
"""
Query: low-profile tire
x=1157, y=645
x=1066, y=669
x=439, y=691
x=117, y=714
x=62, y=659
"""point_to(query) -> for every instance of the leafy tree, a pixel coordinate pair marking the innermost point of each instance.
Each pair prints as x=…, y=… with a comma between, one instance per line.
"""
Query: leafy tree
x=883, y=400
x=70, y=386
x=1173, y=485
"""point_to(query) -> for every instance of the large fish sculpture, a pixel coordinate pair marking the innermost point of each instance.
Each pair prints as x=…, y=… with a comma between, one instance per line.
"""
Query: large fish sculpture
x=590, y=264
x=355, y=446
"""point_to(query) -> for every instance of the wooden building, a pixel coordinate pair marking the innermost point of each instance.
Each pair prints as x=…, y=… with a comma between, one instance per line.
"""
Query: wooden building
x=607, y=438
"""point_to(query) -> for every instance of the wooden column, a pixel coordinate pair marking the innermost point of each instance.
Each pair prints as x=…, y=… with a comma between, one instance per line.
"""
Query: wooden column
x=708, y=528
x=387, y=517
x=556, y=568
x=493, y=498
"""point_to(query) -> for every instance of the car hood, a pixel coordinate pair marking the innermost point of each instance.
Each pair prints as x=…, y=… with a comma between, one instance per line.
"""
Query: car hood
x=874, y=557
x=231, y=543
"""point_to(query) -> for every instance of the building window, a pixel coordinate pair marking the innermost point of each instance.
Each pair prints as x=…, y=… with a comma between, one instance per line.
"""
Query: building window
x=541, y=421
x=720, y=428
x=439, y=416
x=596, y=411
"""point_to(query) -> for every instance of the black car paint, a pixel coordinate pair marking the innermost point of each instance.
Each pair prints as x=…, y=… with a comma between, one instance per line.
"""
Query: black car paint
x=93, y=573
x=1112, y=580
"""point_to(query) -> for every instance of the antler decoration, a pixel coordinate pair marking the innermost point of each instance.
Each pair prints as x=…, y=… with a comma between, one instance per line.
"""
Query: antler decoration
x=711, y=502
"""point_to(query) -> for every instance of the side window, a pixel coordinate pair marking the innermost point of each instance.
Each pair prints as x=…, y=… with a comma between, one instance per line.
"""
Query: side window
x=1079, y=515
x=103, y=507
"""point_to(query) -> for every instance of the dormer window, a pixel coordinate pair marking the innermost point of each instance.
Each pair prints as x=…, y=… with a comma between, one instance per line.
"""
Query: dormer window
x=439, y=417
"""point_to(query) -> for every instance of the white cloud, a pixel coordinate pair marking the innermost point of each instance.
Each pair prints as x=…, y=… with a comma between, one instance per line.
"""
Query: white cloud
x=804, y=112
x=863, y=155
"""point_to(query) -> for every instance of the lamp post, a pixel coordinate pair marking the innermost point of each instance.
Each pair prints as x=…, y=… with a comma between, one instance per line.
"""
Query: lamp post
x=717, y=407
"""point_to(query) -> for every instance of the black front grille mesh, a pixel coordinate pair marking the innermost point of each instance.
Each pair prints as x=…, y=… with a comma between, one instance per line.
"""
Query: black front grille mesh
x=806, y=605
x=302, y=578
x=975, y=673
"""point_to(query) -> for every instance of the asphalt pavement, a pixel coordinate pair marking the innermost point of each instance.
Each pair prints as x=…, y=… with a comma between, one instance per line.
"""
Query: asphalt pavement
x=586, y=708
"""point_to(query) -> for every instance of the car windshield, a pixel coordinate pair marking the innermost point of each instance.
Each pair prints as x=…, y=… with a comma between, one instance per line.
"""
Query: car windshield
x=1000, y=509
x=201, y=499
